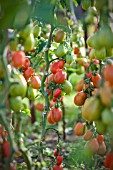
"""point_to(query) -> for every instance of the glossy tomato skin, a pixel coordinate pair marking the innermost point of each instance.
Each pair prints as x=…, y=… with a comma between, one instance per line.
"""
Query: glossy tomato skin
x=15, y=103
x=35, y=82
x=92, y=145
x=54, y=67
x=20, y=88
x=96, y=80
x=100, y=138
x=102, y=148
x=28, y=72
x=56, y=115
x=79, y=129
x=88, y=135
x=79, y=85
x=49, y=118
x=107, y=73
x=59, y=160
x=57, y=167
x=76, y=50
x=57, y=93
x=56, y=152
x=80, y=98
x=39, y=106
x=60, y=76
x=26, y=63
x=18, y=59
x=67, y=86
x=59, y=36
x=61, y=64
x=49, y=79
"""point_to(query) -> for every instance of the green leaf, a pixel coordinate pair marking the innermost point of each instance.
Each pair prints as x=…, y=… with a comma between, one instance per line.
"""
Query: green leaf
x=76, y=2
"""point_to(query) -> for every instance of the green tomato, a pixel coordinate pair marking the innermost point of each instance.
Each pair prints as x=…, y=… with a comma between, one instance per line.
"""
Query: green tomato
x=25, y=32
x=107, y=117
x=67, y=87
x=86, y=4
x=13, y=44
x=15, y=103
x=31, y=93
x=69, y=58
x=100, y=127
x=73, y=65
x=29, y=43
x=75, y=78
x=60, y=51
x=80, y=69
x=100, y=54
x=36, y=31
x=25, y=103
x=20, y=86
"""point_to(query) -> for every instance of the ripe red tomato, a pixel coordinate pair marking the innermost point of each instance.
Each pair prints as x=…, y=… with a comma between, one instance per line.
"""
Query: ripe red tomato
x=28, y=73
x=61, y=64
x=108, y=73
x=79, y=129
x=56, y=152
x=108, y=159
x=18, y=59
x=57, y=93
x=88, y=134
x=49, y=79
x=56, y=115
x=6, y=149
x=89, y=74
x=60, y=76
x=57, y=167
x=80, y=98
x=1, y=129
x=26, y=63
x=39, y=106
x=96, y=80
x=35, y=82
x=100, y=138
x=59, y=160
x=49, y=118
x=79, y=85
x=54, y=67
x=76, y=50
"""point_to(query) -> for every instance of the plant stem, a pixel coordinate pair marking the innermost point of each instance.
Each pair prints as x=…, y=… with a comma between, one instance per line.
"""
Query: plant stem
x=63, y=121
x=43, y=83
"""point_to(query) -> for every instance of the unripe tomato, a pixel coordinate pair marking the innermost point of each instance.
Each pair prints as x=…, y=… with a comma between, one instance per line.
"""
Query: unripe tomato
x=20, y=88
x=92, y=145
x=80, y=98
x=107, y=73
x=79, y=69
x=61, y=64
x=79, y=85
x=100, y=127
x=36, y=31
x=35, y=82
x=59, y=36
x=67, y=87
x=60, y=76
x=56, y=115
x=6, y=149
x=86, y=4
x=28, y=72
x=92, y=109
x=25, y=32
x=18, y=59
x=29, y=43
x=102, y=148
x=96, y=80
x=107, y=116
x=60, y=51
x=108, y=159
x=57, y=93
x=69, y=58
x=15, y=103
x=13, y=44
x=79, y=129
x=57, y=167
x=31, y=93
x=54, y=67
x=59, y=160
x=49, y=118
x=88, y=135
x=39, y=106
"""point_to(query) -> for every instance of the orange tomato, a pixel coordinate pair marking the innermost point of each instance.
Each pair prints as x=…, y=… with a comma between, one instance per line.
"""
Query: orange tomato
x=108, y=73
x=35, y=82
x=79, y=129
x=102, y=148
x=49, y=118
x=96, y=80
x=18, y=59
x=79, y=85
x=88, y=135
x=80, y=98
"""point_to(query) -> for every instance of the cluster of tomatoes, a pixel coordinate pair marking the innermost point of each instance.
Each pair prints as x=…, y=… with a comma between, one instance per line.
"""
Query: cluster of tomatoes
x=5, y=152
x=95, y=142
x=59, y=160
